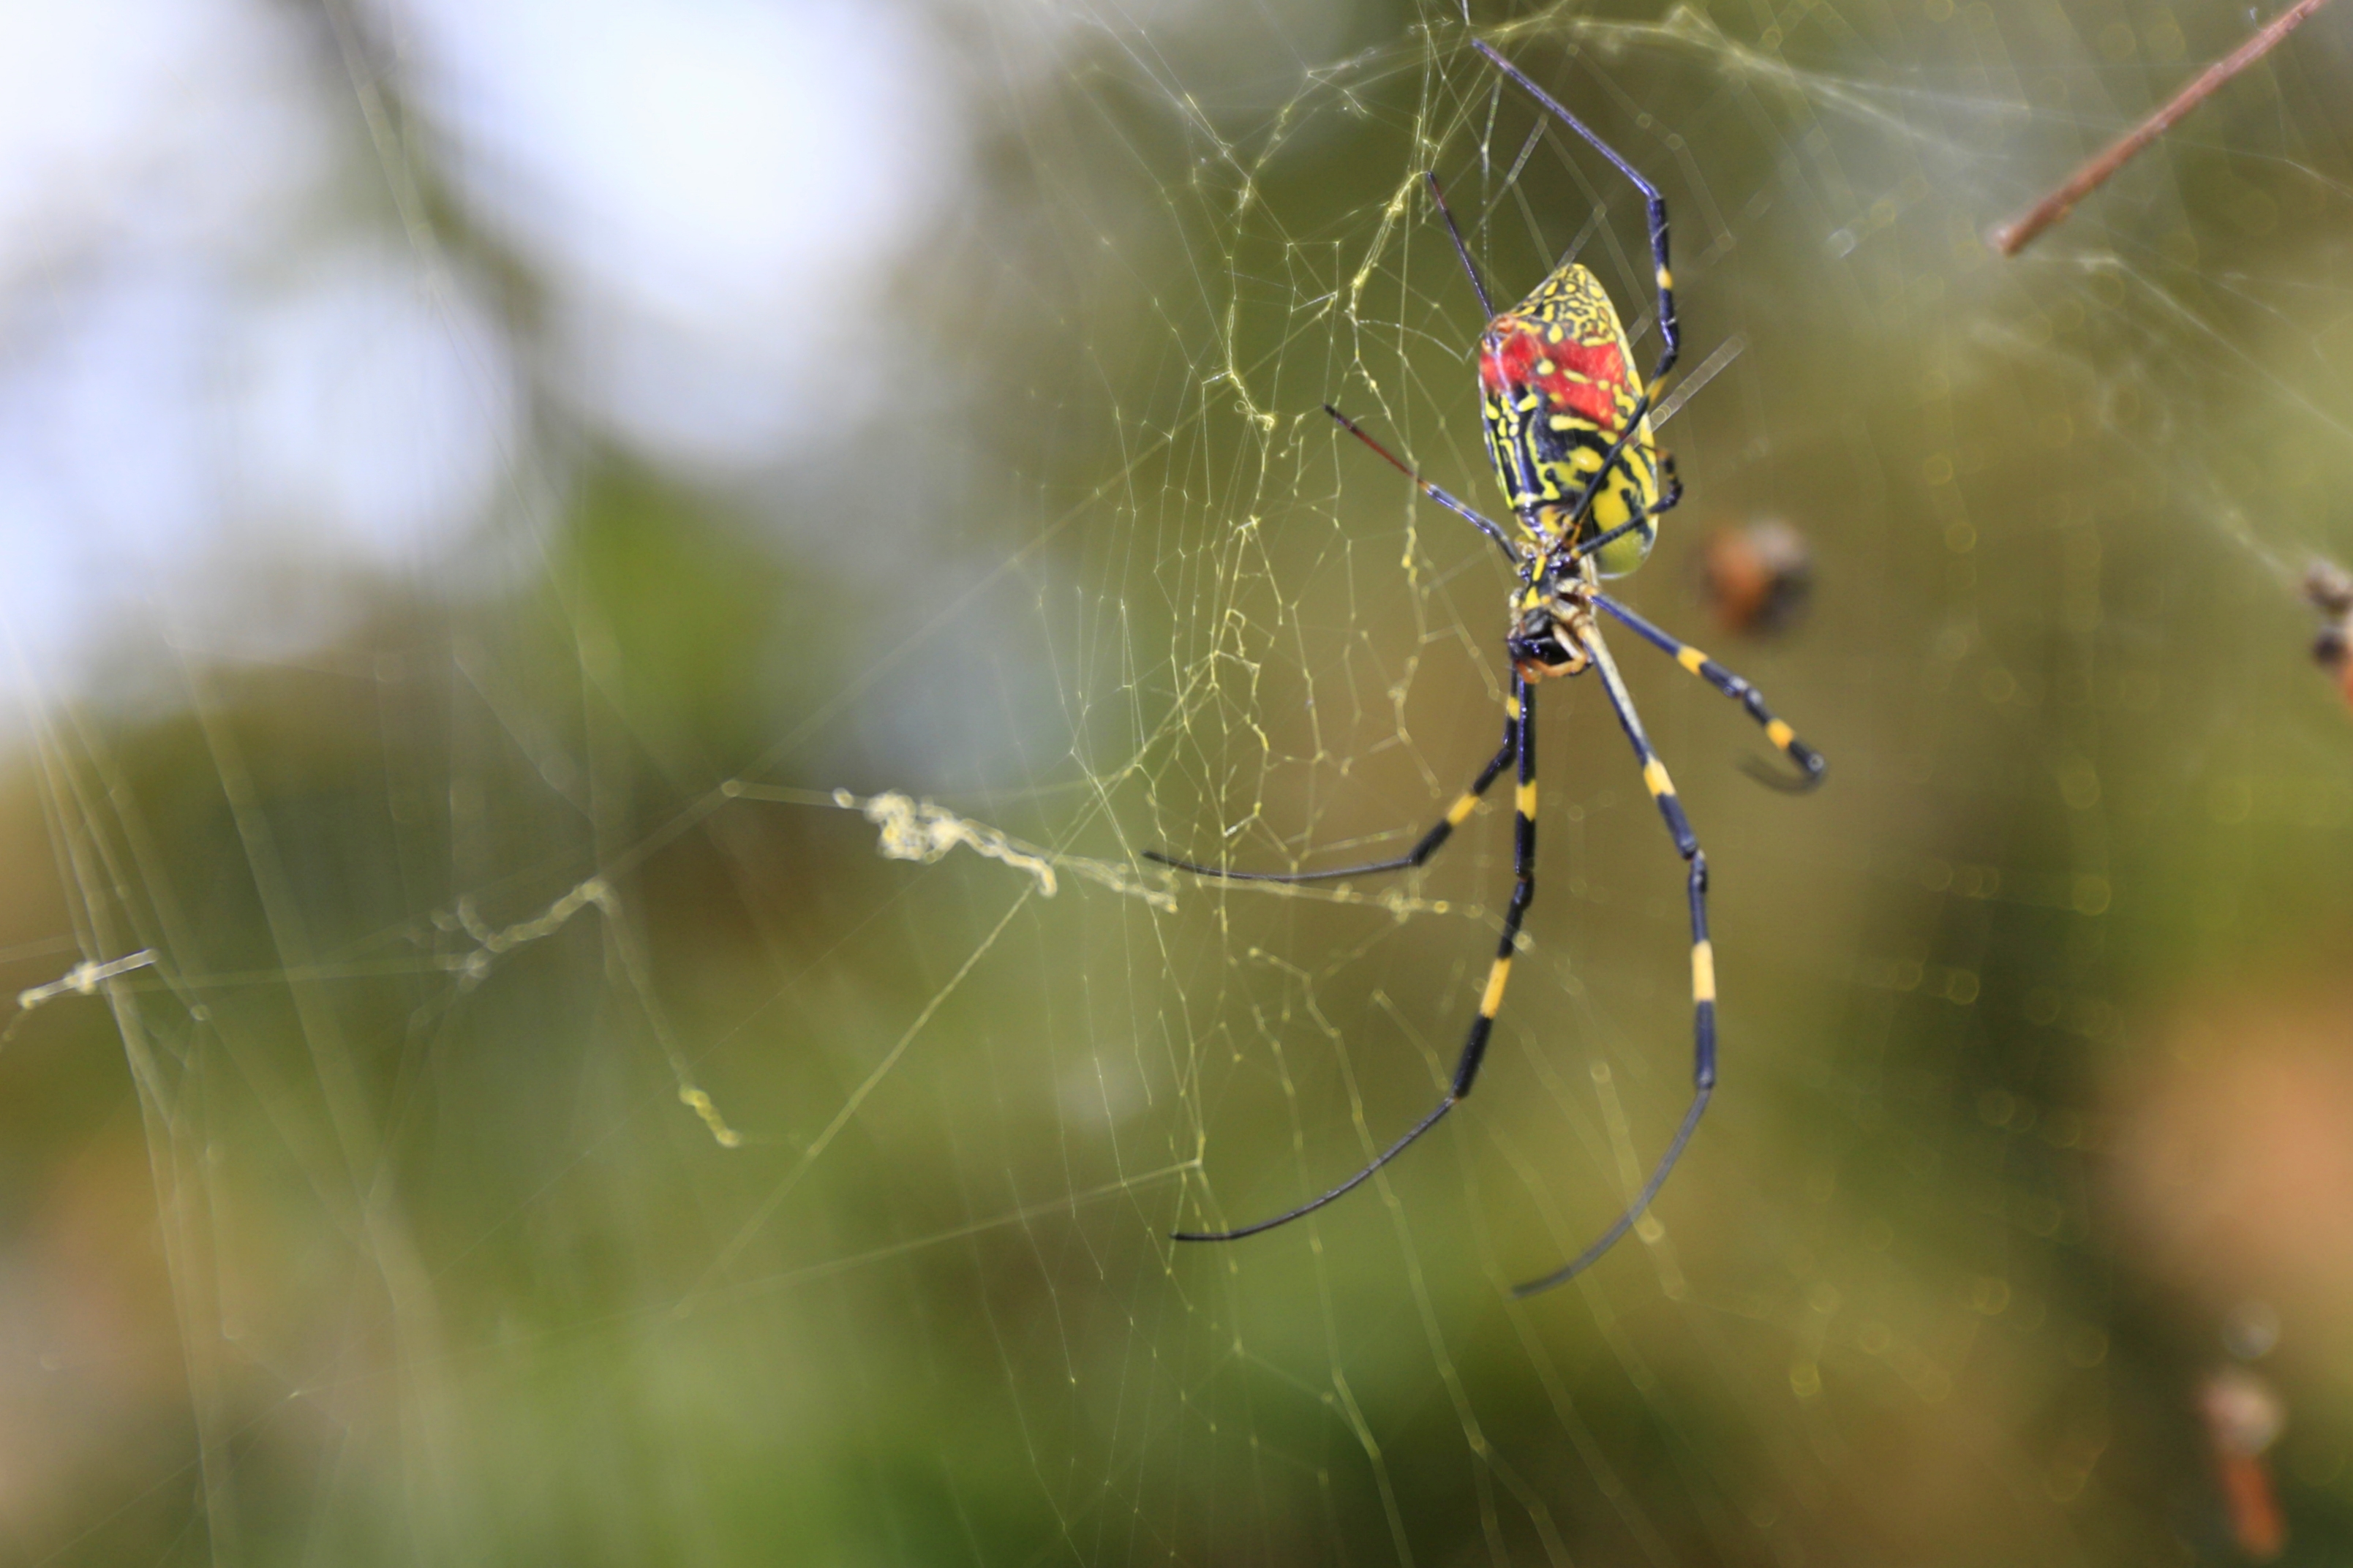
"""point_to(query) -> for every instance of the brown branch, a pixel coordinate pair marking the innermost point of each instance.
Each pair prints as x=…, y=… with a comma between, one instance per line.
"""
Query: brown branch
x=2012, y=237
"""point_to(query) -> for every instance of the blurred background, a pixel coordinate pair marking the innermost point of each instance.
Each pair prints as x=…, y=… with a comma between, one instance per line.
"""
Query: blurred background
x=603, y=599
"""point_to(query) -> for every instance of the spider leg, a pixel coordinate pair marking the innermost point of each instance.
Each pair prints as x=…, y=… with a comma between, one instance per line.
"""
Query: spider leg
x=1669, y=329
x=1478, y=284
x=1456, y=815
x=1492, y=530
x=1662, y=790
x=1670, y=332
x=1665, y=503
x=1523, y=744
x=1610, y=460
x=1811, y=768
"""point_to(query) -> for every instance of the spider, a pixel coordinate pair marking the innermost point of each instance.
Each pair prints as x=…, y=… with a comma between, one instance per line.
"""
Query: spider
x=1569, y=429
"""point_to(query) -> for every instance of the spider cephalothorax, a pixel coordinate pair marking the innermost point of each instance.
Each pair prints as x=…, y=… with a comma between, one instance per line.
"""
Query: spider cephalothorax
x=1549, y=631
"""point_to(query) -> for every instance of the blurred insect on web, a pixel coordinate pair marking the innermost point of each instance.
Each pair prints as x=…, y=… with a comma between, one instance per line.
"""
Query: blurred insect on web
x=1755, y=578
x=2329, y=589
x=1568, y=428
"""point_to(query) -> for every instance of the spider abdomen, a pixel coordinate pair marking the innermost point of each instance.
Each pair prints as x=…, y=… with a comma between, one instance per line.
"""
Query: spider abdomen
x=1558, y=388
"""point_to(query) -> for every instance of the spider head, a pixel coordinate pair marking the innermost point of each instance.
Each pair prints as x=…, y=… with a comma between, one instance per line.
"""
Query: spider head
x=1538, y=645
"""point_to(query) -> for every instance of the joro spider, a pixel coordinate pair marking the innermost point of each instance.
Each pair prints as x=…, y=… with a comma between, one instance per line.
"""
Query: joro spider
x=1568, y=428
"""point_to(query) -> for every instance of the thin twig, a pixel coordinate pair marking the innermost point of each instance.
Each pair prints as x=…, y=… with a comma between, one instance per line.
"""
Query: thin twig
x=2013, y=236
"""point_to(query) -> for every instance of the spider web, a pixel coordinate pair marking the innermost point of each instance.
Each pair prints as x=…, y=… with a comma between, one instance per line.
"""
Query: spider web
x=553, y=1131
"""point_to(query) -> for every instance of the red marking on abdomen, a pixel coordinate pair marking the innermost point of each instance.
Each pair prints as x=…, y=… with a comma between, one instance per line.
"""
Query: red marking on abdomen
x=1508, y=362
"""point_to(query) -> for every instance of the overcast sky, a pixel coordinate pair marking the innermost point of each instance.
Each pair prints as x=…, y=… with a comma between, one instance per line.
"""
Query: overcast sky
x=227, y=363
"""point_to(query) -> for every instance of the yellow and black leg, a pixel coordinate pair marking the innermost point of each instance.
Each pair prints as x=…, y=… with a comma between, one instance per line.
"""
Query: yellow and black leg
x=1647, y=520
x=1456, y=815
x=1669, y=330
x=1808, y=761
x=1670, y=334
x=1483, y=525
x=1662, y=791
x=1520, y=741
